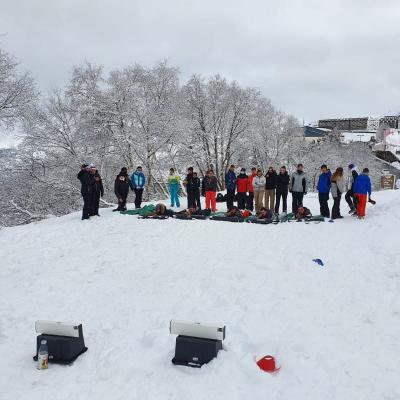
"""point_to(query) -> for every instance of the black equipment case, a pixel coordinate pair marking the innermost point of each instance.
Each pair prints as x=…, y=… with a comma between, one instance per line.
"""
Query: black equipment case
x=194, y=352
x=62, y=349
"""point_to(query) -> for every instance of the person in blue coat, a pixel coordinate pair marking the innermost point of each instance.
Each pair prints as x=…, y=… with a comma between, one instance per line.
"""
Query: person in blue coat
x=230, y=183
x=323, y=187
x=362, y=189
x=138, y=181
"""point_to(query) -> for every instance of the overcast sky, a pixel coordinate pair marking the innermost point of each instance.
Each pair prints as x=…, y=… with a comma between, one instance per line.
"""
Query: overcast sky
x=313, y=58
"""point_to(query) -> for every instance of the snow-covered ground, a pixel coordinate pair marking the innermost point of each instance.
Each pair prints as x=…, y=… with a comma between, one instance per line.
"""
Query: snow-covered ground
x=333, y=329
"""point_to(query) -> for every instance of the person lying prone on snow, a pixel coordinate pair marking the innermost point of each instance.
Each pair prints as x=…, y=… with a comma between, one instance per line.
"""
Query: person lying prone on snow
x=234, y=212
x=194, y=211
x=264, y=213
x=161, y=210
x=303, y=213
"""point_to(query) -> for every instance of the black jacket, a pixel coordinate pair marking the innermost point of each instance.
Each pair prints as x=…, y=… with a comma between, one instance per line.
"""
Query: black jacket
x=121, y=188
x=282, y=182
x=270, y=180
x=87, y=181
x=209, y=184
x=189, y=183
x=196, y=184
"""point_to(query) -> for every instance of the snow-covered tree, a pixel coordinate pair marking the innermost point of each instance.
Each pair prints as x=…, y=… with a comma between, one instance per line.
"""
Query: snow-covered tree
x=17, y=92
x=143, y=115
x=219, y=115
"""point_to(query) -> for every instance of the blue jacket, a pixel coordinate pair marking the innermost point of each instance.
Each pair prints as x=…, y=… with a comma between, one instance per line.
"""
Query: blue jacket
x=230, y=180
x=138, y=180
x=324, y=182
x=362, y=184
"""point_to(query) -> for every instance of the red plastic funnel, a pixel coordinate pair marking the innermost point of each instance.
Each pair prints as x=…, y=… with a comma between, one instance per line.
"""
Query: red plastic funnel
x=268, y=364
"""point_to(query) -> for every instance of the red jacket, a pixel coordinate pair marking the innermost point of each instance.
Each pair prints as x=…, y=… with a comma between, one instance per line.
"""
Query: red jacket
x=241, y=184
x=250, y=182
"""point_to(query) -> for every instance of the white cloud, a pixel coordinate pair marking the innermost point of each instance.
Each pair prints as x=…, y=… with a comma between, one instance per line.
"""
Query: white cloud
x=313, y=58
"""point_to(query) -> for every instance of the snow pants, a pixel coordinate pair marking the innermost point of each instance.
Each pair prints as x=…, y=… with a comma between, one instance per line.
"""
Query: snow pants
x=96, y=204
x=241, y=200
x=323, y=204
x=211, y=201
x=174, y=190
x=350, y=198
x=87, y=205
x=230, y=198
x=191, y=201
x=361, y=204
x=122, y=203
x=138, y=197
x=196, y=195
x=336, y=206
x=259, y=199
x=297, y=201
x=250, y=201
x=270, y=199
x=279, y=194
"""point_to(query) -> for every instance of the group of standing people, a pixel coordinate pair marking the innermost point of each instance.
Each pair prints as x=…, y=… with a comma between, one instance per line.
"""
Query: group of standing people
x=257, y=190
x=357, y=195
x=254, y=191
x=195, y=188
x=123, y=183
x=92, y=188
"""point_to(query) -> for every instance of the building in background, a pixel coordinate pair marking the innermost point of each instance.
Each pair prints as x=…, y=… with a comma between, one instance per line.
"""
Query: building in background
x=314, y=135
x=391, y=121
x=368, y=124
x=373, y=124
x=344, y=124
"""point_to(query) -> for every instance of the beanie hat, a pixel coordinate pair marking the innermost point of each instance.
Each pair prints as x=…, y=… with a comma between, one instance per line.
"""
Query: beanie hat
x=91, y=165
x=351, y=166
x=123, y=172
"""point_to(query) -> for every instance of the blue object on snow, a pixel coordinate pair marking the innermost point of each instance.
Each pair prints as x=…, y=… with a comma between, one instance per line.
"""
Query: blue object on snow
x=319, y=261
x=331, y=220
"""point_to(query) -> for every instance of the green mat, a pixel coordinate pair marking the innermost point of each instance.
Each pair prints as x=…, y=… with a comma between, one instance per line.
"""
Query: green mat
x=218, y=214
x=146, y=210
x=287, y=217
x=290, y=217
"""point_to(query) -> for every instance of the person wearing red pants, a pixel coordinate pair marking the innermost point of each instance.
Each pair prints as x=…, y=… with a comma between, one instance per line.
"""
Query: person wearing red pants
x=362, y=189
x=209, y=189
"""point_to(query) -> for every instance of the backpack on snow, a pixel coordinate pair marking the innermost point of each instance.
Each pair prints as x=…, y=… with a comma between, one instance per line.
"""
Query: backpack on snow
x=220, y=198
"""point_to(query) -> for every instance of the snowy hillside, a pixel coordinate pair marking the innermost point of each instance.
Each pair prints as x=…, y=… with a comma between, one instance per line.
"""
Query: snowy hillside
x=333, y=329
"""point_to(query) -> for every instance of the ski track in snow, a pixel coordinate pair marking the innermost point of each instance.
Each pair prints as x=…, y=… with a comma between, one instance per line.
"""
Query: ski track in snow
x=333, y=329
